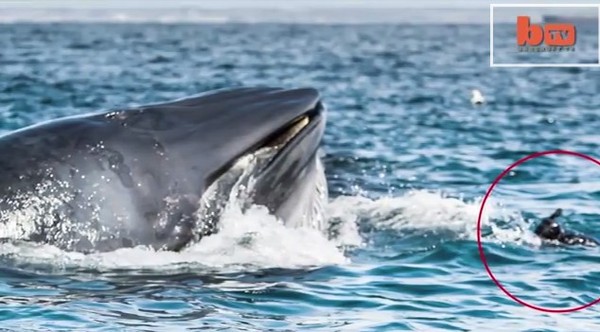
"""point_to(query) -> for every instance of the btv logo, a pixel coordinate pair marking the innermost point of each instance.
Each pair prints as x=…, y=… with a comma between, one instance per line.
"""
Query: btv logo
x=551, y=34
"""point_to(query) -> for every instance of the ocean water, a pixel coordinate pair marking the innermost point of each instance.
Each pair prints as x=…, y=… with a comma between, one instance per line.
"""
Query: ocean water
x=407, y=158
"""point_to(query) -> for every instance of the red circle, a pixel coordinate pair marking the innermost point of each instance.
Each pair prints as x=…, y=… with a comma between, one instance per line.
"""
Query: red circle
x=479, y=244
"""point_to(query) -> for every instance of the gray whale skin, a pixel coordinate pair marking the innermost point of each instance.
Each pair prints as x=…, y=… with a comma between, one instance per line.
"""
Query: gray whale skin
x=137, y=176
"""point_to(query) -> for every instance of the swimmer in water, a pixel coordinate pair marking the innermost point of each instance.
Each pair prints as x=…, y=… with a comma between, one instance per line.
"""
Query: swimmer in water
x=550, y=229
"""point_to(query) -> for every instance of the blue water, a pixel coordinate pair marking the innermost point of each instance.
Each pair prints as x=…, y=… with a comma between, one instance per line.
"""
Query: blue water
x=407, y=158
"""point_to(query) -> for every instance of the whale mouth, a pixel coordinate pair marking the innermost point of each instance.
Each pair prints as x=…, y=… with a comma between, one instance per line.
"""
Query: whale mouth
x=280, y=156
x=289, y=132
x=293, y=129
x=279, y=141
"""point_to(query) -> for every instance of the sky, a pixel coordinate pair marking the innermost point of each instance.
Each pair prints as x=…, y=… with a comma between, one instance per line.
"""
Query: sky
x=264, y=3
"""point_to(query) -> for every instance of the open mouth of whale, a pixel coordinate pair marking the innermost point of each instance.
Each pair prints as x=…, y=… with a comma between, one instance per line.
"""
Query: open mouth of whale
x=291, y=145
x=281, y=141
x=301, y=133
x=294, y=130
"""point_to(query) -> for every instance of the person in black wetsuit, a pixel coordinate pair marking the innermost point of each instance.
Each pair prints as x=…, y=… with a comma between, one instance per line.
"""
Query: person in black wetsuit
x=550, y=229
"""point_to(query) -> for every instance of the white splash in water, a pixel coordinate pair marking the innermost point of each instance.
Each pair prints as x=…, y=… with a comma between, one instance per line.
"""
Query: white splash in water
x=427, y=210
x=254, y=239
x=257, y=238
x=248, y=236
x=251, y=239
x=33, y=207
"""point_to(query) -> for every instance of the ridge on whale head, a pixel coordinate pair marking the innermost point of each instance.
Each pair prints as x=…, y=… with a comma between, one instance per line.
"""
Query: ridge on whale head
x=158, y=175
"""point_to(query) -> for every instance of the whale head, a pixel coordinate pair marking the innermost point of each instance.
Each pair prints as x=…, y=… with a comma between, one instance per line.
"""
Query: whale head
x=161, y=175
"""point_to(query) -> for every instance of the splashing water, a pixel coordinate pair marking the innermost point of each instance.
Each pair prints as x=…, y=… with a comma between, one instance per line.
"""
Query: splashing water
x=423, y=211
x=247, y=234
x=251, y=238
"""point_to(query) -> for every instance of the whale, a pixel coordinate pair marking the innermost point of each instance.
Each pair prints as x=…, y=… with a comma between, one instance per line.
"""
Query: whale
x=162, y=175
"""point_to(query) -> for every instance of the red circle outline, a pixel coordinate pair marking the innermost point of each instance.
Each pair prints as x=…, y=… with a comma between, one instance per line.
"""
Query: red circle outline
x=480, y=245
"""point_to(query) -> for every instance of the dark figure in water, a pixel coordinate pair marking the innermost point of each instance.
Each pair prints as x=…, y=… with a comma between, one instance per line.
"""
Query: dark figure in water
x=550, y=229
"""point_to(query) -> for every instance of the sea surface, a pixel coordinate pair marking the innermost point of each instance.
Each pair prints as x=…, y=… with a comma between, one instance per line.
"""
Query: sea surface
x=408, y=160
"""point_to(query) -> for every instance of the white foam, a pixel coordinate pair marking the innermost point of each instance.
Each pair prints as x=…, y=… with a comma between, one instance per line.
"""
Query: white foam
x=254, y=239
x=434, y=210
x=257, y=238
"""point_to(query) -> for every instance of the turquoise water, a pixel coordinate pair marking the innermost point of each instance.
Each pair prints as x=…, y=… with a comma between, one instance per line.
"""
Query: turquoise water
x=407, y=158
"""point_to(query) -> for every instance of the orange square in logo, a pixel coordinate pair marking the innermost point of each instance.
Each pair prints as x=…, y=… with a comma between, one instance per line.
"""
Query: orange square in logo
x=551, y=34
